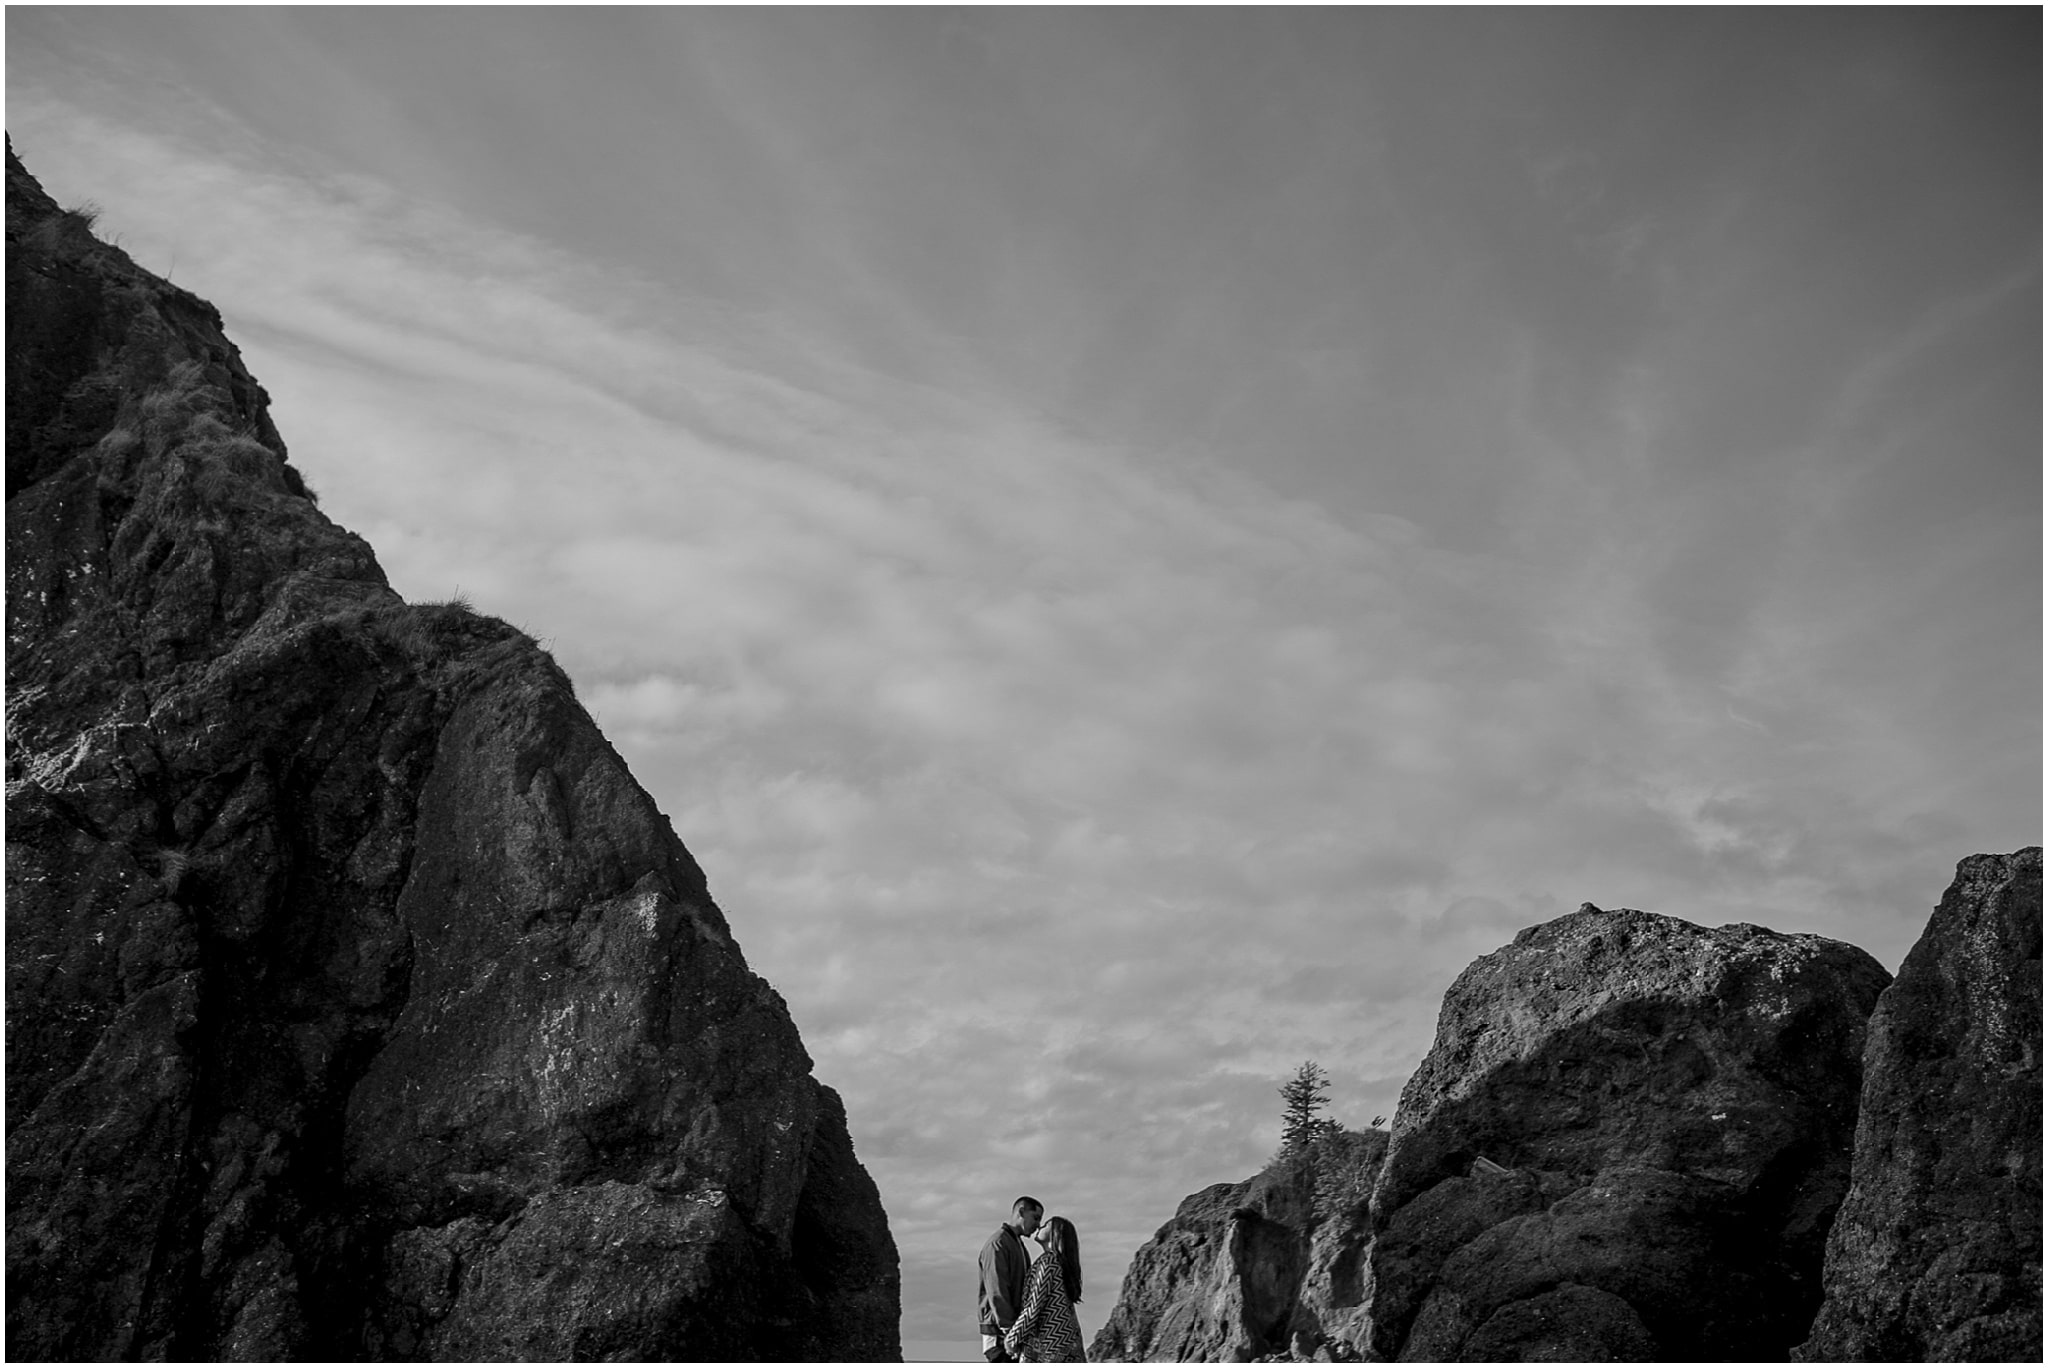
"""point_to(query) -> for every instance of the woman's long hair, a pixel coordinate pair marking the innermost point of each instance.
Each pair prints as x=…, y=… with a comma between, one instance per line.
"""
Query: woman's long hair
x=1065, y=1246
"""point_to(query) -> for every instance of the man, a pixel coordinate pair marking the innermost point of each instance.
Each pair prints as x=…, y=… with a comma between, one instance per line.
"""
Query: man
x=1004, y=1263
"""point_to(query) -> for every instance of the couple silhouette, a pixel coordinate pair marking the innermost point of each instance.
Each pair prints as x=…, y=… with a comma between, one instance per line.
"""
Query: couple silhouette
x=1027, y=1309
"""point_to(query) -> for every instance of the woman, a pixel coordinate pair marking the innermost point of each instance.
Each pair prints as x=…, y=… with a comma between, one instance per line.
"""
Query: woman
x=1046, y=1330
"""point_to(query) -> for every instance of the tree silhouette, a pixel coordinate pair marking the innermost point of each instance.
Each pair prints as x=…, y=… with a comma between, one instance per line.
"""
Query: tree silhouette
x=1304, y=1094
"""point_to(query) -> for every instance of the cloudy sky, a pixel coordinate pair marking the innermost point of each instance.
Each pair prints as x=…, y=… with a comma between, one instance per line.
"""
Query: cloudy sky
x=1133, y=545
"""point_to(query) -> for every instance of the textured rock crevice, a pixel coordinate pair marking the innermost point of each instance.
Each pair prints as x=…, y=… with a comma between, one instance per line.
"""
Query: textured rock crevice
x=358, y=1002
x=1936, y=1252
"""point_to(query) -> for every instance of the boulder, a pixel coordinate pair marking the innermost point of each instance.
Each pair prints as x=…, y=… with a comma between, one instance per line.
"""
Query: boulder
x=1630, y=1132
x=359, y=1002
x=1936, y=1251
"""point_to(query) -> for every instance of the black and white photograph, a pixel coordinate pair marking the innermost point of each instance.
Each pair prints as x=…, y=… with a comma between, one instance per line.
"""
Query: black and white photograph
x=1023, y=684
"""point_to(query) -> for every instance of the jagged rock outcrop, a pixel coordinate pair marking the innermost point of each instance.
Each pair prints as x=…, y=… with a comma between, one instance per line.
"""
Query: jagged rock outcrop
x=359, y=1003
x=1216, y=1283
x=1936, y=1251
x=1252, y=1269
x=1627, y=1142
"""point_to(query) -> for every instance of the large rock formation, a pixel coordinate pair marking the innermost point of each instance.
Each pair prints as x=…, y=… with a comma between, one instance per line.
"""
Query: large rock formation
x=359, y=1003
x=1246, y=1270
x=1936, y=1252
x=1627, y=1142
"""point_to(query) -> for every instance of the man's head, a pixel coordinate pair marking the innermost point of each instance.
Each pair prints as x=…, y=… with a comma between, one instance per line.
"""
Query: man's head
x=1027, y=1213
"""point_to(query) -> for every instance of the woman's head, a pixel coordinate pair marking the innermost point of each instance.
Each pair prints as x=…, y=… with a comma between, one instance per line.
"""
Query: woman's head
x=1061, y=1242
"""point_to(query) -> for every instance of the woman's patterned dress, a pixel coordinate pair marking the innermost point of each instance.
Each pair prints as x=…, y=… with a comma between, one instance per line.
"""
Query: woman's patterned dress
x=1046, y=1330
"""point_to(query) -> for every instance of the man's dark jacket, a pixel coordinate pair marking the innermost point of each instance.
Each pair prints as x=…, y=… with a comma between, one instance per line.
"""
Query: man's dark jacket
x=1003, y=1266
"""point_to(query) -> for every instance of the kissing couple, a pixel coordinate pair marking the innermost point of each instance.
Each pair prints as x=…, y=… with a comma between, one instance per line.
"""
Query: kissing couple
x=1027, y=1309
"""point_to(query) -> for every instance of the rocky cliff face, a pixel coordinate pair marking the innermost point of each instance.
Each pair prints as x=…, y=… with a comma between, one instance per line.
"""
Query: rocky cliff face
x=1936, y=1252
x=1638, y=1139
x=1627, y=1141
x=1268, y=1266
x=359, y=1003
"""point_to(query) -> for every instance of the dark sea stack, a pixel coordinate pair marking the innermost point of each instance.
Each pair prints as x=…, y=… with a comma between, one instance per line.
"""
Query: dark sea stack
x=1268, y=1266
x=359, y=1002
x=1936, y=1252
x=1627, y=1141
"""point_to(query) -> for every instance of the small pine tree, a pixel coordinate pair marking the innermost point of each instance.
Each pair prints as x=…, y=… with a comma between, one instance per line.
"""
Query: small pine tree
x=1304, y=1094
